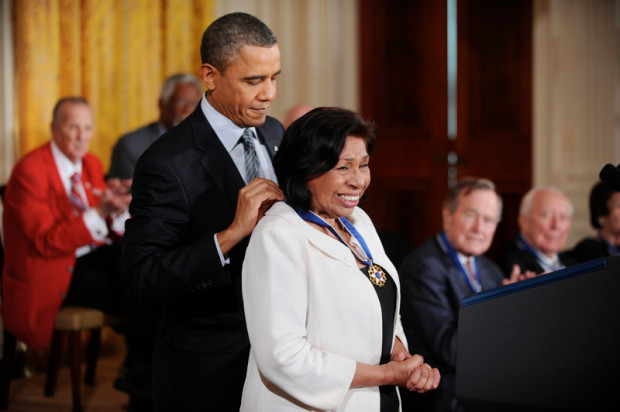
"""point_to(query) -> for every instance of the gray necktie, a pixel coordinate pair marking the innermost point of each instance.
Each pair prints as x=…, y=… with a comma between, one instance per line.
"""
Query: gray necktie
x=252, y=165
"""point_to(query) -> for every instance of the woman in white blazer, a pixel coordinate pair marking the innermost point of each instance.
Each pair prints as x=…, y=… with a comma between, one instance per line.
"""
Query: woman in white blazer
x=321, y=297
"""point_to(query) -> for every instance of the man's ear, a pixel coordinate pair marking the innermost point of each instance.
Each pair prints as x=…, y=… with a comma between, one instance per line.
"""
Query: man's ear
x=208, y=75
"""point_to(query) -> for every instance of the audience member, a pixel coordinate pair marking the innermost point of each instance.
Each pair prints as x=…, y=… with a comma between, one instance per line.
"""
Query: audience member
x=178, y=98
x=198, y=192
x=441, y=272
x=604, y=217
x=321, y=295
x=544, y=221
x=59, y=217
x=295, y=112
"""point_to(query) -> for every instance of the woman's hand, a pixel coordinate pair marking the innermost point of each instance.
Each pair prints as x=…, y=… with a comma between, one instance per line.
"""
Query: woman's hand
x=423, y=378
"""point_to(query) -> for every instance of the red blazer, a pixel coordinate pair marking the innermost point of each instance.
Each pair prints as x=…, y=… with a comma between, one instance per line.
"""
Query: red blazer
x=41, y=233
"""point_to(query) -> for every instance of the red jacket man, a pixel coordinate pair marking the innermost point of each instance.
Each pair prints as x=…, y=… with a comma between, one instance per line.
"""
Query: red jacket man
x=44, y=231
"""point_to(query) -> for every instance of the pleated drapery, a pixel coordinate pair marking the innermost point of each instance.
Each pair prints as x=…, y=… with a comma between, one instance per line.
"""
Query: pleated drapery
x=115, y=53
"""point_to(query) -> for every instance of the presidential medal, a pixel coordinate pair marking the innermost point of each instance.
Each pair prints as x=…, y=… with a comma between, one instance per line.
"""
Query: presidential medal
x=376, y=274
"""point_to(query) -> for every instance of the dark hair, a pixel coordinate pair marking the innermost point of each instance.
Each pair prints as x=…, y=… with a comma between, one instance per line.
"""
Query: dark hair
x=62, y=102
x=599, y=197
x=467, y=185
x=312, y=145
x=226, y=36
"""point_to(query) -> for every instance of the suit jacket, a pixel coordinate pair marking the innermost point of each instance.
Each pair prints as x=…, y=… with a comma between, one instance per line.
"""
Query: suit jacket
x=513, y=254
x=590, y=248
x=311, y=315
x=185, y=190
x=129, y=148
x=433, y=287
x=42, y=232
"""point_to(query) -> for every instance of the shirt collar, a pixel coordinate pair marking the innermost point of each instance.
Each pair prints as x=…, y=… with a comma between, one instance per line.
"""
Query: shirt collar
x=228, y=132
x=463, y=259
x=65, y=167
x=547, y=262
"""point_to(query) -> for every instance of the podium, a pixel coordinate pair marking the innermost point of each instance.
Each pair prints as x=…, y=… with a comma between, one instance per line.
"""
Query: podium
x=551, y=343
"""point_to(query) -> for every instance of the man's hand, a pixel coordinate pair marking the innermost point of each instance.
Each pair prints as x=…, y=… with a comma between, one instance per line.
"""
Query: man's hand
x=254, y=200
x=115, y=198
x=516, y=275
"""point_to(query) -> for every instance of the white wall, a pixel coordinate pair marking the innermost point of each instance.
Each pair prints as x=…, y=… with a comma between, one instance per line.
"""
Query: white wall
x=576, y=116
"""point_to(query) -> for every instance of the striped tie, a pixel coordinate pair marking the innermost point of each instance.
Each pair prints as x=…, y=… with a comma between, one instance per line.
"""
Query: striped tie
x=252, y=166
x=76, y=198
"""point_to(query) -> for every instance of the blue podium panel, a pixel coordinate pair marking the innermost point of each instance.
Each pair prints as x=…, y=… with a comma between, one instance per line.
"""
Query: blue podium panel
x=544, y=344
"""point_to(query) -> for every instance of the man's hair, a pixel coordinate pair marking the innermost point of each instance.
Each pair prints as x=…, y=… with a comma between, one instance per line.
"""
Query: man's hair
x=62, y=102
x=226, y=36
x=312, y=145
x=167, y=90
x=599, y=197
x=526, y=202
x=467, y=185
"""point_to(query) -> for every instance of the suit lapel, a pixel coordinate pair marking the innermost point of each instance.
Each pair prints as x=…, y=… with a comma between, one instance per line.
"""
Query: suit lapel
x=270, y=138
x=216, y=160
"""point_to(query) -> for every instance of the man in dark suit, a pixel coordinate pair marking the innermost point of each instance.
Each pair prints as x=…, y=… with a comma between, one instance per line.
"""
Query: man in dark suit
x=195, y=203
x=544, y=222
x=439, y=274
x=178, y=98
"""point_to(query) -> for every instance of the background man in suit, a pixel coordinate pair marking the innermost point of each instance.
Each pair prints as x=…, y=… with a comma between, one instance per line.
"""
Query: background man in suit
x=439, y=274
x=178, y=98
x=57, y=229
x=193, y=209
x=544, y=221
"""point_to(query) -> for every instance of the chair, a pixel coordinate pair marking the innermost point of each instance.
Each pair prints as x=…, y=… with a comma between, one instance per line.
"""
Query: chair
x=70, y=322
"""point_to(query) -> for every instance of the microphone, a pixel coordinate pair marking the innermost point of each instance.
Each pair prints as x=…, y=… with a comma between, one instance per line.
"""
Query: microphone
x=610, y=174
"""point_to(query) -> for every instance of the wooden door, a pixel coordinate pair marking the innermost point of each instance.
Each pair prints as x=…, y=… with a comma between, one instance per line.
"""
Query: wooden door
x=404, y=60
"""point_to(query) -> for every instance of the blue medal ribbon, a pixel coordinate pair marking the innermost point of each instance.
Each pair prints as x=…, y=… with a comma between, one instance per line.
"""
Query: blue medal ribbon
x=376, y=274
x=529, y=249
x=475, y=287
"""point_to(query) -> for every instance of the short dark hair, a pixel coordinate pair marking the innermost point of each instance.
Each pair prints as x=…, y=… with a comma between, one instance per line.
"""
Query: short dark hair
x=312, y=145
x=62, y=102
x=599, y=197
x=226, y=36
x=467, y=185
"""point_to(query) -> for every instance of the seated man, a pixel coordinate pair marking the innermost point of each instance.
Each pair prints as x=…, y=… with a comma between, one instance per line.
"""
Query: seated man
x=59, y=217
x=544, y=221
x=178, y=98
x=439, y=274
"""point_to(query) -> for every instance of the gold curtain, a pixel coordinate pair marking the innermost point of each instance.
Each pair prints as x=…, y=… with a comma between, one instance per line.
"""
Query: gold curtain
x=115, y=53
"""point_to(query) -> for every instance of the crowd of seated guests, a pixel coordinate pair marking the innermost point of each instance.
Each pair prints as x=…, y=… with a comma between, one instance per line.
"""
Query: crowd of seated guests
x=437, y=275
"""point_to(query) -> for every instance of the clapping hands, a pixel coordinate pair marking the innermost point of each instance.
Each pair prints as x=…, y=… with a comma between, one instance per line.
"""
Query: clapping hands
x=517, y=276
x=115, y=198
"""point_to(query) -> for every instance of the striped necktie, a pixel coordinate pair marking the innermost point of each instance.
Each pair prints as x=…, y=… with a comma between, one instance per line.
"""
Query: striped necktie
x=75, y=196
x=252, y=166
x=471, y=271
